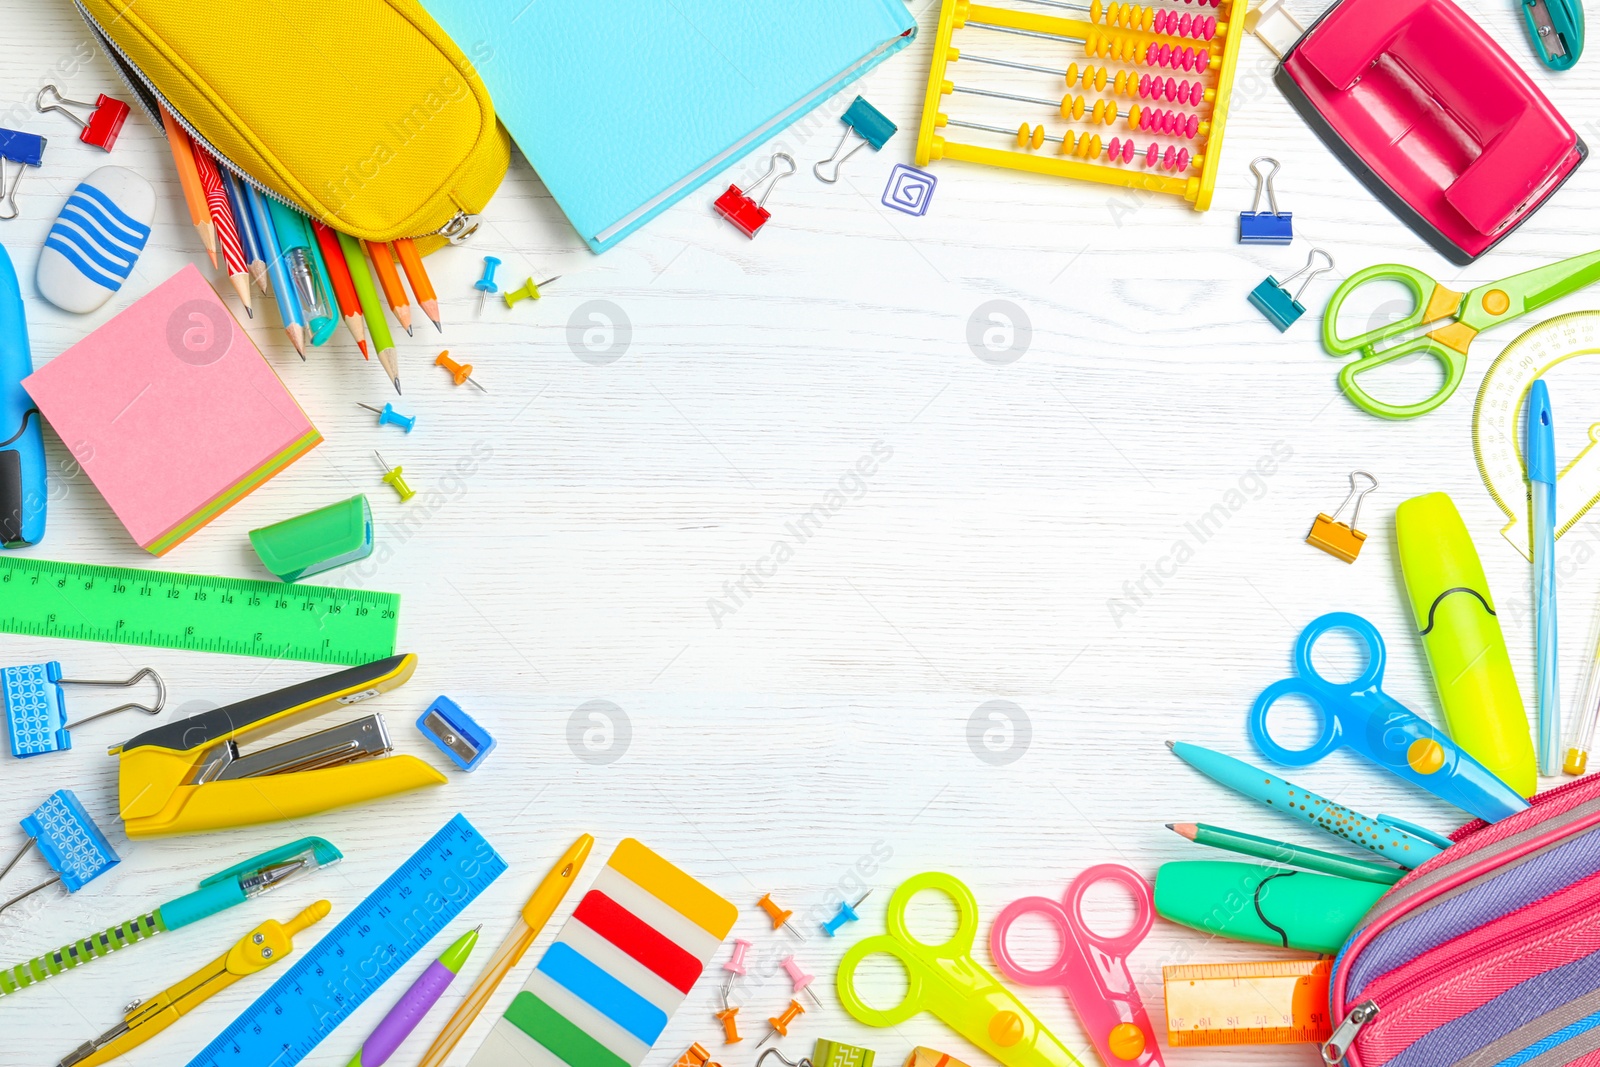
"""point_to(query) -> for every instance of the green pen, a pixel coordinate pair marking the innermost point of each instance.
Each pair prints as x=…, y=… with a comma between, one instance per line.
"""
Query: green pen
x=1265, y=904
x=218, y=893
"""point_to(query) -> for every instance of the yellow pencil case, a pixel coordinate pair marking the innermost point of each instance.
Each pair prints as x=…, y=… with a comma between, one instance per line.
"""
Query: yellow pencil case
x=362, y=113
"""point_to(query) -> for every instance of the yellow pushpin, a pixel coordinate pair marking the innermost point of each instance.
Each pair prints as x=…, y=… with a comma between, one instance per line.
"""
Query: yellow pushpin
x=395, y=476
x=525, y=290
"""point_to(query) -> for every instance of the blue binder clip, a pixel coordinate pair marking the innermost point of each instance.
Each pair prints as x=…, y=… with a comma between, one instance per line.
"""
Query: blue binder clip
x=455, y=734
x=68, y=840
x=36, y=712
x=1257, y=227
x=869, y=124
x=23, y=149
x=1272, y=298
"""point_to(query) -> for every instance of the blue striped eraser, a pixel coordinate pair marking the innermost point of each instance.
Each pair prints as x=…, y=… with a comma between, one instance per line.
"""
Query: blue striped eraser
x=96, y=240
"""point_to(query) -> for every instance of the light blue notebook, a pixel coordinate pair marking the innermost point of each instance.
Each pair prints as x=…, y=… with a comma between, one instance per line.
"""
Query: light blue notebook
x=625, y=106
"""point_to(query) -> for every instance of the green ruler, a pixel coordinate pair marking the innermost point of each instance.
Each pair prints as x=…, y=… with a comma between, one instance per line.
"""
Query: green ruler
x=196, y=612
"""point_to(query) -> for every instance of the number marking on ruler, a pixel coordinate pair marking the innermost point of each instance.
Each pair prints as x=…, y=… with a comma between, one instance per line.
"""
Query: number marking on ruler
x=333, y=977
x=1279, y=1003
x=196, y=612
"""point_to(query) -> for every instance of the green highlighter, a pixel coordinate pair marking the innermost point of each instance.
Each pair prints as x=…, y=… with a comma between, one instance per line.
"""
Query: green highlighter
x=1455, y=616
x=1265, y=904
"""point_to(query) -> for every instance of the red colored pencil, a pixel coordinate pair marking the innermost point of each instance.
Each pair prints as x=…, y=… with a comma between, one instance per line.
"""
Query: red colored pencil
x=344, y=290
x=227, y=230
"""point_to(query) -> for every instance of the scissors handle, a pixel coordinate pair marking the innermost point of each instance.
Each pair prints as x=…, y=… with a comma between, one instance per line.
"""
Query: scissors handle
x=846, y=982
x=1144, y=907
x=1333, y=702
x=1432, y=302
x=915, y=956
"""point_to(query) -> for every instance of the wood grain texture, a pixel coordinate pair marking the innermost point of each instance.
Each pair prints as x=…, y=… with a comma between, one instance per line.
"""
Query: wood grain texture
x=800, y=707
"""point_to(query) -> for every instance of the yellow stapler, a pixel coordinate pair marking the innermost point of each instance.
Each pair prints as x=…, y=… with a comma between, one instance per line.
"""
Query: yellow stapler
x=189, y=776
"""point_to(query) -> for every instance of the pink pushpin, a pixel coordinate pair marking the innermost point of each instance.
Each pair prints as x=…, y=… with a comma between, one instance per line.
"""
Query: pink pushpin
x=735, y=965
x=802, y=981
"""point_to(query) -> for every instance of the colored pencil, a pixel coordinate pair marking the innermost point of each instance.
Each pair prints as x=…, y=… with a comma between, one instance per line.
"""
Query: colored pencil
x=1310, y=859
x=194, y=193
x=247, y=230
x=395, y=293
x=294, y=322
x=361, y=278
x=421, y=284
x=344, y=290
x=227, y=231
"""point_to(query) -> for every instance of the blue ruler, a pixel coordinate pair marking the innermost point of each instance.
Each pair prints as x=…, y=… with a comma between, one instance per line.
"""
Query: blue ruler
x=334, y=976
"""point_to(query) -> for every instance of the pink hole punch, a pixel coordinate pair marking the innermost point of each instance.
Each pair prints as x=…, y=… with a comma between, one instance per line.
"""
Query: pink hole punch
x=800, y=979
x=106, y=115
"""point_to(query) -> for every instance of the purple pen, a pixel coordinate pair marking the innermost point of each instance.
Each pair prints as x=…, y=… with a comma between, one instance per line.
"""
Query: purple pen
x=423, y=994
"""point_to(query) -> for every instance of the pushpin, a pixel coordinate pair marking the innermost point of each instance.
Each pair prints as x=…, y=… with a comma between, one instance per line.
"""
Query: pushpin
x=1334, y=537
x=396, y=477
x=67, y=837
x=390, y=417
x=778, y=916
x=746, y=214
x=781, y=1023
x=527, y=289
x=802, y=981
x=846, y=914
x=728, y=1017
x=867, y=123
x=485, y=285
x=1272, y=298
x=105, y=119
x=461, y=372
x=1257, y=227
x=25, y=150
x=735, y=964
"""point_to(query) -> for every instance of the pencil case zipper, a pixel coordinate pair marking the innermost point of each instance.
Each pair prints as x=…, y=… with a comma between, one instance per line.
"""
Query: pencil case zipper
x=1481, y=849
x=460, y=227
x=1551, y=933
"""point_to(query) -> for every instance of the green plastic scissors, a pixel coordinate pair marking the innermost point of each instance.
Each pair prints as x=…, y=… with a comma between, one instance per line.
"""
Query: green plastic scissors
x=947, y=982
x=1455, y=319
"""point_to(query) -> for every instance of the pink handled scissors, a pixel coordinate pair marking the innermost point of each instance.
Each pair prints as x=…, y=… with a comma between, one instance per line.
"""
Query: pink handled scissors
x=1092, y=968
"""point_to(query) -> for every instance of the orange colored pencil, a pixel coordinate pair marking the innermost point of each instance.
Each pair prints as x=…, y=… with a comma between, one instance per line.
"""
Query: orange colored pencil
x=421, y=284
x=344, y=290
x=382, y=257
x=194, y=193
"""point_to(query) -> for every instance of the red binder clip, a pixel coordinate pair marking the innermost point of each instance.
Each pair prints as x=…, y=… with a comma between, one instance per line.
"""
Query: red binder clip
x=104, y=122
x=748, y=215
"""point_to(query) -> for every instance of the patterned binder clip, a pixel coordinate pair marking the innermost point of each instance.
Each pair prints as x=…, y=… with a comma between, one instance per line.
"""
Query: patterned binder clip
x=68, y=840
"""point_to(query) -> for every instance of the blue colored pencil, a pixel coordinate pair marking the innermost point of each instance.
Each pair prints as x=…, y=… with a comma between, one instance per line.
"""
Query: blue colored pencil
x=246, y=226
x=294, y=320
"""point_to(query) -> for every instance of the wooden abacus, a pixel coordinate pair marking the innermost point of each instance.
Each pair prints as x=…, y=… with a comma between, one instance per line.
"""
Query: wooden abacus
x=1202, y=47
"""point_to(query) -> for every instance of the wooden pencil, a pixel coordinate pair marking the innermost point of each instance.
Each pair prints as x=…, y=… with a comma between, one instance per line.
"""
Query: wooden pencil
x=389, y=278
x=194, y=194
x=421, y=284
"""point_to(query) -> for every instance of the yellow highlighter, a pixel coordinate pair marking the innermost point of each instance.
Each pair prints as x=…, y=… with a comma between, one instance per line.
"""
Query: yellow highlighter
x=256, y=951
x=1455, y=616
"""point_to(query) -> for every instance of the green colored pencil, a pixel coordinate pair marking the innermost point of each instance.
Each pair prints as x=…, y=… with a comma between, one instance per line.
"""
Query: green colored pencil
x=367, y=294
x=1311, y=859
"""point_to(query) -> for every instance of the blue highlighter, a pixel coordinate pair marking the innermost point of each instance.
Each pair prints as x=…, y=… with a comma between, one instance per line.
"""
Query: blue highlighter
x=22, y=486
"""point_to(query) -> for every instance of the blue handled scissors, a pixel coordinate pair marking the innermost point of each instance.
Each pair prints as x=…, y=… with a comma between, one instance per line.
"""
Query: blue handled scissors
x=1450, y=320
x=1360, y=715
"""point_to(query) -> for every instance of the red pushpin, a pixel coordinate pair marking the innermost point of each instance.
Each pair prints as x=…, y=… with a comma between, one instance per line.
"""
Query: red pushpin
x=106, y=116
x=739, y=208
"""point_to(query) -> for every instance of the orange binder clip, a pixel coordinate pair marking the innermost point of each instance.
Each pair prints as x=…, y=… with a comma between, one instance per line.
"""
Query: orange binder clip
x=1336, y=538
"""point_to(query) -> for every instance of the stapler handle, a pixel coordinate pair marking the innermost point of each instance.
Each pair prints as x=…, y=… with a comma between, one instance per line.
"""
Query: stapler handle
x=272, y=711
x=22, y=477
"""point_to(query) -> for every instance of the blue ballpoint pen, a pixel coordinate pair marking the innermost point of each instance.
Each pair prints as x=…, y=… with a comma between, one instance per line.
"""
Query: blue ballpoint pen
x=1541, y=453
x=294, y=321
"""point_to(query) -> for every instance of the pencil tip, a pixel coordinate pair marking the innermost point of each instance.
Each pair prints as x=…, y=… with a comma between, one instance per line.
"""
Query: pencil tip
x=437, y=325
x=409, y=333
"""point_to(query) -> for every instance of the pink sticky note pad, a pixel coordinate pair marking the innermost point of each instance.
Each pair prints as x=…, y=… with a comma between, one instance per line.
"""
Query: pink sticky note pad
x=172, y=411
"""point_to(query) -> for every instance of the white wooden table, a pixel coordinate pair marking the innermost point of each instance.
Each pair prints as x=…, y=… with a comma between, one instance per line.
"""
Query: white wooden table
x=810, y=715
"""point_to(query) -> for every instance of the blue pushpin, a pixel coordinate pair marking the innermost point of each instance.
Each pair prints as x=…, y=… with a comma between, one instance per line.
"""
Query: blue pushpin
x=869, y=124
x=1257, y=227
x=390, y=417
x=485, y=285
x=847, y=914
x=1272, y=298
x=70, y=842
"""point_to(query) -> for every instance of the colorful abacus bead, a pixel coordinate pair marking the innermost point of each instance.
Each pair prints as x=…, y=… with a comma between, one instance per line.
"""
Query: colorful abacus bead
x=1157, y=54
x=1159, y=120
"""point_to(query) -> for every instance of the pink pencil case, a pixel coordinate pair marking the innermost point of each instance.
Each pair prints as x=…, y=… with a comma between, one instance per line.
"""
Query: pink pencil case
x=1488, y=954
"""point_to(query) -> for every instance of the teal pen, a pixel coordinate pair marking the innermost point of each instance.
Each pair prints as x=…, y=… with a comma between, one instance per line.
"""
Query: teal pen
x=1402, y=843
x=1541, y=452
x=299, y=259
x=294, y=323
x=218, y=893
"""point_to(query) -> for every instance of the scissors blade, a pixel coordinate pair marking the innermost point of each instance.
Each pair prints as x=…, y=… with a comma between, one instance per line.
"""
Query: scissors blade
x=1521, y=293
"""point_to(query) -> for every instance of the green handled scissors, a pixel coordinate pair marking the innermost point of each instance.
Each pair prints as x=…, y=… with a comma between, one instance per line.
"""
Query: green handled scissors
x=947, y=982
x=1451, y=320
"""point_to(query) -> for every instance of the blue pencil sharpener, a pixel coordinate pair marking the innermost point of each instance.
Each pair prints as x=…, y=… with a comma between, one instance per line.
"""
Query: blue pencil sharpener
x=455, y=733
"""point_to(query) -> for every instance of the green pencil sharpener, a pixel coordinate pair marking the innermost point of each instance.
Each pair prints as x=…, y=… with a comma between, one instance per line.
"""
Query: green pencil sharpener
x=316, y=541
